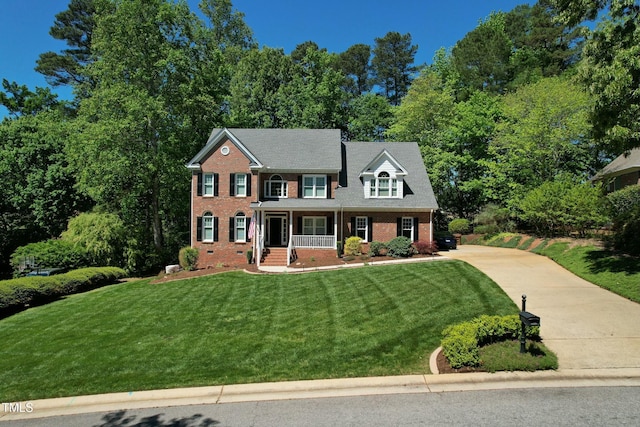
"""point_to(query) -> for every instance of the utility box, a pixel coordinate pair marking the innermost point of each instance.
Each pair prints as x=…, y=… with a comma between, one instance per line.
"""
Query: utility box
x=529, y=319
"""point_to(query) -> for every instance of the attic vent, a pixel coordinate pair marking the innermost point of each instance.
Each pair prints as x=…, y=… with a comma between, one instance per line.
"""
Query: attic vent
x=224, y=150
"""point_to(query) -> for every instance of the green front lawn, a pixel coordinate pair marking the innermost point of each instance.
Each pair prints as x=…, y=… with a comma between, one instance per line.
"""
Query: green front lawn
x=241, y=328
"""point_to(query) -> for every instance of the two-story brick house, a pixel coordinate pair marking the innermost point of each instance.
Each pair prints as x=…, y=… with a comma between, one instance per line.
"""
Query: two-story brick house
x=294, y=192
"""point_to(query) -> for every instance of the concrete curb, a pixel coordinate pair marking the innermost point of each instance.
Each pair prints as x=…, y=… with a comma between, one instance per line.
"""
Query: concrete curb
x=625, y=377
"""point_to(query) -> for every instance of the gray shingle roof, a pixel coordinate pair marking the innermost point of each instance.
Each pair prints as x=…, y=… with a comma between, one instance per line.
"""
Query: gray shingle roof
x=418, y=193
x=292, y=149
x=622, y=164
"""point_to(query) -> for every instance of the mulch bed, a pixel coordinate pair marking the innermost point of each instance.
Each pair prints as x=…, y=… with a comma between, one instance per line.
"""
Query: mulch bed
x=445, y=368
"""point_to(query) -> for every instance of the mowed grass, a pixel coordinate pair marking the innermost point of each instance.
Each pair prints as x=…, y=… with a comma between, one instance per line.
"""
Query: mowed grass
x=241, y=328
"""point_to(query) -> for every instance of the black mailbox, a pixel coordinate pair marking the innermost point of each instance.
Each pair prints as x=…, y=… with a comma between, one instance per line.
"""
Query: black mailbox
x=529, y=319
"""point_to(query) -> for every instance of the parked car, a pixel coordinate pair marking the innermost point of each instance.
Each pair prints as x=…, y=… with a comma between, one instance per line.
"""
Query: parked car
x=446, y=242
x=46, y=271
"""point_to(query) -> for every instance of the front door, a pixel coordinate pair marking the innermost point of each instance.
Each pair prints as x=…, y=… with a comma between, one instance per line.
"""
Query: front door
x=276, y=230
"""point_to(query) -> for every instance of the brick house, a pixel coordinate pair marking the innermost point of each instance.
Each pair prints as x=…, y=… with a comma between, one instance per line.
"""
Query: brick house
x=624, y=170
x=287, y=193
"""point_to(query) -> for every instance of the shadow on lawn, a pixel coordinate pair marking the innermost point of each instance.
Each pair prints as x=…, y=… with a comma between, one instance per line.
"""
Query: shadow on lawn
x=120, y=419
x=601, y=261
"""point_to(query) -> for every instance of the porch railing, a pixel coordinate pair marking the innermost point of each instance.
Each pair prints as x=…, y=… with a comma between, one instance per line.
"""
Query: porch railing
x=311, y=241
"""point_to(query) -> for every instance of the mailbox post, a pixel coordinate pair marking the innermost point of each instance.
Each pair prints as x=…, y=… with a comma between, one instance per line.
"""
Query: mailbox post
x=526, y=319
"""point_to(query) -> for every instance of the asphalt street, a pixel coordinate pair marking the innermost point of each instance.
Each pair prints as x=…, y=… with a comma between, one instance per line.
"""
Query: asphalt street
x=590, y=406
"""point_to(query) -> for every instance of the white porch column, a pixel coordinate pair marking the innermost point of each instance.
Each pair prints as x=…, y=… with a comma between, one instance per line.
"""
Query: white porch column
x=335, y=228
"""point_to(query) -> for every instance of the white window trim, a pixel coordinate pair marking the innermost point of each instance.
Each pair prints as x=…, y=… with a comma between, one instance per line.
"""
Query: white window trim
x=240, y=218
x=410, y=220
x=315, y=220
x=205, y=193
x=365, y=229
x=373, y=192
x=315, y=186
x=244, y=185
x=208, y=217
x=284, y=187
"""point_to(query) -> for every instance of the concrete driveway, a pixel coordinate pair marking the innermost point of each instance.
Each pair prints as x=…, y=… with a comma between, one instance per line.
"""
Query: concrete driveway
x=585, y=325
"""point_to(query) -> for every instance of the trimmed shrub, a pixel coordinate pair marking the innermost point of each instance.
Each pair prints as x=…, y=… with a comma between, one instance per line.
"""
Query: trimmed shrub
x=377, y=248
x=459, y=226
x=353, y=246
x=51, y=254
x=18, y=294
x=188, y=258
x=400, y=247
x=425, y=248
x=461, y=342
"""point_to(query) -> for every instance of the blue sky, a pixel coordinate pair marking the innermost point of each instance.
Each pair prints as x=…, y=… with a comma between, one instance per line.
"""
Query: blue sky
x=332, y=24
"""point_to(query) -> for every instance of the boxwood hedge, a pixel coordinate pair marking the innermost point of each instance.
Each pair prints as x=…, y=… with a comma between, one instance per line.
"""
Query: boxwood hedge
x=462, y=341
x=21, y=293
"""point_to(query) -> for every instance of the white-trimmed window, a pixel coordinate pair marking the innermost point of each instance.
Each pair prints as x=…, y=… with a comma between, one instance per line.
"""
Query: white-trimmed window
x=207, y=227
x=362, y=227
x=241, y=184
x=314, y=225
x=407, y=228
x=275, y=186
x=383, y=186
x=208, y=184
x=240, y=227
x=314, y=186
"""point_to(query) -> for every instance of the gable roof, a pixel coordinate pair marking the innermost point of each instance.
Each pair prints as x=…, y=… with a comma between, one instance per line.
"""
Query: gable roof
x=281, y=150
x=384, y=154
x=621, y=165
x=418, y=192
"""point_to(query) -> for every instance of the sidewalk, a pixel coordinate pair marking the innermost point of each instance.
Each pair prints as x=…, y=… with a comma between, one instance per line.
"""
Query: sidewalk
x=325, y=388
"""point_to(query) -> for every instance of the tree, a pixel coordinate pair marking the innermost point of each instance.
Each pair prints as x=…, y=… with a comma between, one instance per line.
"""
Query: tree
x=610, y=69
x=38, y=186
x=562, y=206
x=269, y=89
x=354, y=63
x=369, y=118
x=624, y=208
x=482, y=57
x=20, y=101
x=228, y=32
x=157, y=93
x=545, y=132
x=453, y=139
x=75, y=26
x=102, y=236
x=393, y=56
x=256, y=97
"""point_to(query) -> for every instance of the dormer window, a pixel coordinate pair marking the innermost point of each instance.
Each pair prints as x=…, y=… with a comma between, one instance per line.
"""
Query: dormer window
x=383, y=186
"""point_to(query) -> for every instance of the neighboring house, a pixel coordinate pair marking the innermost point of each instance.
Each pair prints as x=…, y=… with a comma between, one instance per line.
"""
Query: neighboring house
x=287, y=193
x=624, y=170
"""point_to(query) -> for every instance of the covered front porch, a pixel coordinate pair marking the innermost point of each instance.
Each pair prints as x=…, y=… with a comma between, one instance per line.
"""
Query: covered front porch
x=280, y=234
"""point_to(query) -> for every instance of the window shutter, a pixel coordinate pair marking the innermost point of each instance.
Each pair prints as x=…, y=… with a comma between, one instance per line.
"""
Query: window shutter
x=199, y=184
x=215, y=184
x=416, y=222
x=299, y=186
x=399, y=227
x=248, y=181
x=370, y=229
x=329, y=229
x=215, y=228
x=232, y=184
x=199, y=229
x=232, y=226
x=300, y=225
x=329, y=187
x=353, y=225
